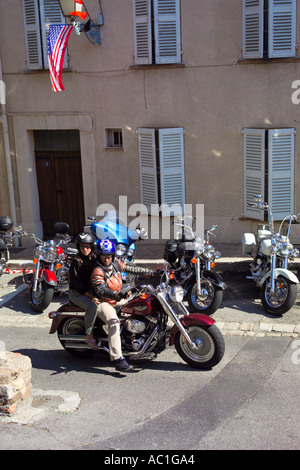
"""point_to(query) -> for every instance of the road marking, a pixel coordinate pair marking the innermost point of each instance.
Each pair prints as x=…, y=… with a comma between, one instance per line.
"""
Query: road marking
x=5, y=298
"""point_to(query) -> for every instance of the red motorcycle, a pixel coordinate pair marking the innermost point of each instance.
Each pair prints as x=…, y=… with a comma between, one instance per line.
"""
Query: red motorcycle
x=52, y=261
x=145, y=329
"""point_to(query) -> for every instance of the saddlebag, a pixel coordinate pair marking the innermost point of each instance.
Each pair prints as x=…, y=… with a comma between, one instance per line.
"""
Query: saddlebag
x=248, y=242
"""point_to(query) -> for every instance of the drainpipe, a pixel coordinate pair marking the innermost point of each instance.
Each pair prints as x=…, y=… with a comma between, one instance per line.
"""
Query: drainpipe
x=3, y=120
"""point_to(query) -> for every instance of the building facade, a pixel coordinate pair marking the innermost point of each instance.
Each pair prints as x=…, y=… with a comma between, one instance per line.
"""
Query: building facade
x=181, y=102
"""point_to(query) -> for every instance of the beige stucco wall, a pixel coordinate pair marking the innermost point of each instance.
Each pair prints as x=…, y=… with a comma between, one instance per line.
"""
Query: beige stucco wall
x=213, y=97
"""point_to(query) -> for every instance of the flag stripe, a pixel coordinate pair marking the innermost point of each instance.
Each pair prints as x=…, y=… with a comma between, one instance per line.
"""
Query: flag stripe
x=57, y=42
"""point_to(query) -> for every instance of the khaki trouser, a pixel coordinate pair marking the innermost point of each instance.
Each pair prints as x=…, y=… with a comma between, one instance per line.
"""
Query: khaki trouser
x=108, y=314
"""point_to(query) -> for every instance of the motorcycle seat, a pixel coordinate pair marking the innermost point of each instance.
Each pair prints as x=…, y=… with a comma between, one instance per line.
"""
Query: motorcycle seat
x=69, y=307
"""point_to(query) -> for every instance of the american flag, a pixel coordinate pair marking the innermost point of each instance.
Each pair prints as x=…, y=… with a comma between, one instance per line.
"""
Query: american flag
x=57, y=42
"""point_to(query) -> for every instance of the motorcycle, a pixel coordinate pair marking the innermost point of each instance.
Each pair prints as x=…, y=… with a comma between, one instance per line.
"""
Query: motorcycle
x=52, y=261
x=6, y=239
x=271, y=253
x=112, y=227
x=191, y=260
x=144, y=327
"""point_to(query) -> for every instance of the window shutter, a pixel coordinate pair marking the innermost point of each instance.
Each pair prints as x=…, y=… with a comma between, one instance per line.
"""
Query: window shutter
x=148, y=170
x=142, y=31
x=51, y=13
x=167, y=31
x=282, y=28
x=32, y=34
x=254, y=170
x=281, y=172
x=253, y=11
x=172, y=174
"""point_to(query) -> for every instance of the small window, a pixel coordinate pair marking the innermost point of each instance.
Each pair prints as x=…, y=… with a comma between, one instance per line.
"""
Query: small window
x=114, y=138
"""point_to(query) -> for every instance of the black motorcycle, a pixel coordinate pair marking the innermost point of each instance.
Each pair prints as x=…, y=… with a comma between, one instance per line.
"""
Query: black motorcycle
x=6, y=239
x=190, y=262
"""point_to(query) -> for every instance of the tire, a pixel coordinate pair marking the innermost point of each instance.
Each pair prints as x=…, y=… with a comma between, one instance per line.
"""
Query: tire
x=73, y=326
x=283, y=299
x=42, y=298
x=207, y=303
x=2, y=262
x=211, y=346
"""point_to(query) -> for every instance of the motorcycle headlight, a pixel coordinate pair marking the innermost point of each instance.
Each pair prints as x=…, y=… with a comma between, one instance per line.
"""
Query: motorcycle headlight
x=176, y=293
x=130, y=251
x=49, y=253
x=209, y=252
x=120, y=250
x=37, y=252
x=61, y=257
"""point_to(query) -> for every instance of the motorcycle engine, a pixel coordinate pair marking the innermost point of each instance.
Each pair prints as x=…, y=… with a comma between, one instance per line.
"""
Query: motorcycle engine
x=135, y=326
x=136, y=331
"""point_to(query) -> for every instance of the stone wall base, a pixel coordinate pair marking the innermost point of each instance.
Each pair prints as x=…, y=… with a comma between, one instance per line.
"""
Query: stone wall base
x=15, y=382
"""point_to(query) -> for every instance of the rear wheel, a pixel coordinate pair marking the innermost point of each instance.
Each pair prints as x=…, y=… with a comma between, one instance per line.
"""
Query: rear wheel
x=73, y=327
x=210, y=346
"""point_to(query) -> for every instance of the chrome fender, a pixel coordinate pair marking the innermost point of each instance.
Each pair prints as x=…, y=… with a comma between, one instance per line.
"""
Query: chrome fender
x=194, y=319
x=279, y=272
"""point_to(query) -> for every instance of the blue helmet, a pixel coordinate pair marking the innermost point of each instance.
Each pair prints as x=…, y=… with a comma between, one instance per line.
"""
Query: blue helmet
x=105, y=247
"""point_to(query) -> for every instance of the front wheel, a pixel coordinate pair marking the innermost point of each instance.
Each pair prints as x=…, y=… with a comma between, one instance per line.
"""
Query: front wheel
x=210, y=346
x=3, y=260
x=208, y=301
x=43, y=296
x=282, y=299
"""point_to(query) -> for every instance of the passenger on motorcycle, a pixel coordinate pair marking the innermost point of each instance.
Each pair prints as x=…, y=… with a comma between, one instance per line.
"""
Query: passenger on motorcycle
x=106, y=285
x=79, y=276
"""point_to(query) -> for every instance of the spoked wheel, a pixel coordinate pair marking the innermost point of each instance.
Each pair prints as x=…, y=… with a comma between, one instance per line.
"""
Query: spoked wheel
x=71, y=330
x=283, y=297
x=42, y=298
x=208, y=301
x=210, y=346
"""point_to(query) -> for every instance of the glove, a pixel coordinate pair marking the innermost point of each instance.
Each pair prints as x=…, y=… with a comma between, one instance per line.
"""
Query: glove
x=121, y=295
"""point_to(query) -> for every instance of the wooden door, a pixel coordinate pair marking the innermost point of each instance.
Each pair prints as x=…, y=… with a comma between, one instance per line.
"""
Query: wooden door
x=60, y=188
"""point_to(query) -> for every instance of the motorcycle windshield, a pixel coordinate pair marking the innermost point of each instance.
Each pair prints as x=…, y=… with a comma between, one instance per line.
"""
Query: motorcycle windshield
x=106, y=229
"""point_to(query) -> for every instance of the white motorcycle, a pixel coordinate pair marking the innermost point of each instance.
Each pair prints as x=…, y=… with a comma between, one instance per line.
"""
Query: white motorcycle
x=271, y=253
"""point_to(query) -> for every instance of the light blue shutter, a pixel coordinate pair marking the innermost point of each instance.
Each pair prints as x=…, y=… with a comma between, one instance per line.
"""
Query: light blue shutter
x=172, y=173
x=282, y=28
x=51, y=13
x=167, y=31
x=142, y=31
x=281, y=172
x=32, y=34
x=254, y=170
x=148, y=169
x=253, y=22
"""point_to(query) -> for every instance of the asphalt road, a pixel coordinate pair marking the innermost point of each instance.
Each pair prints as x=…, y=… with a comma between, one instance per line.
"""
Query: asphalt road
x=249, y=401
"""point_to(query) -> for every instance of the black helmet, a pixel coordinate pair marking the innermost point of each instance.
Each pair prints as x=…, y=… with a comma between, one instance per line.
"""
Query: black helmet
x=84, y=237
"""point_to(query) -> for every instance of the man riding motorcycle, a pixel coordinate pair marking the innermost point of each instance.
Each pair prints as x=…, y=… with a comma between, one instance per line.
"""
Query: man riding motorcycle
x=106, y=285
